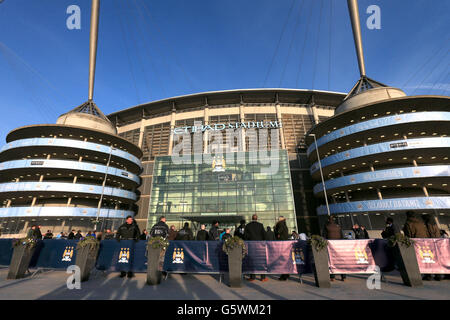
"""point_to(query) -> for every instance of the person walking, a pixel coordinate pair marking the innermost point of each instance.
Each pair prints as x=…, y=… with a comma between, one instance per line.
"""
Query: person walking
x=333, y=231
x=128, y=231
x=160, y=229
x=254, y=231
x=185, y=234
x=214, y=231
x=282, y=234
x=239, y=232
x=270, y=235
x=202, y=234
x=414, y=227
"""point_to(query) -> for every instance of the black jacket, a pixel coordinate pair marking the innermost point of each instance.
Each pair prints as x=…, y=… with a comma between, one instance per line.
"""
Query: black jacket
x=390, y=231
x=128, y=232
x=270, y=236
x=281, y=230
x=71, y=236
x=185, y=234
x=214, y=233
x=254, y=231
x=239, y=232
x=202, y=235
x=226, y=236
x=161, y=229
x=360, y=234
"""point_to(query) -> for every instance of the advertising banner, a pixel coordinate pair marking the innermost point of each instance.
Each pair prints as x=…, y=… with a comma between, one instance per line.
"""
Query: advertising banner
x=54, y=254
x=350, y=256
x=6, y=251
x=433, y=255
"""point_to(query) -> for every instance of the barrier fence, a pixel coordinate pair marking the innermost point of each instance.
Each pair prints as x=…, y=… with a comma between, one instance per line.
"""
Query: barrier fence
x=264, y=257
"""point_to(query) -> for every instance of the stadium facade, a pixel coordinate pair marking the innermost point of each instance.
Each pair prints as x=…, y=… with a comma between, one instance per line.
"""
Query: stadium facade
x=195, y=193
x=67, y=175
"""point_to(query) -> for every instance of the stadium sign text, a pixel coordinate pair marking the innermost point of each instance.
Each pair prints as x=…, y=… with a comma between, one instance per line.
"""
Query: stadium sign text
x=231, y=125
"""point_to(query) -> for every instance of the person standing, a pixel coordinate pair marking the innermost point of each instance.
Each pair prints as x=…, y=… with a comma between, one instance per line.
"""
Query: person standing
x=239, y=232
x=78, y=235
x=128, y=231
x=359, y=233
x=172, y=233
x=254, y=231
x=144, y=235
x=414, y=228
x=214, y=231
x=225, y=235
x=202, y=234
x=108, y=234
x=71, y=235
x=270, y=235
x=333, y=231
x=390, y=230
x=282, y=234
x=365, y=233
x=48, y=235
x=185, y=234
x=160, y=229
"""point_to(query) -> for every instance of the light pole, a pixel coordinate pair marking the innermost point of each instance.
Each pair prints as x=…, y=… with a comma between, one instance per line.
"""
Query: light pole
x=103, y=190
x=321, y=173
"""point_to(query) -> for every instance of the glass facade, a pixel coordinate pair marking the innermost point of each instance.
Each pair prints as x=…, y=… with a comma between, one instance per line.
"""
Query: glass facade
x=203, y=189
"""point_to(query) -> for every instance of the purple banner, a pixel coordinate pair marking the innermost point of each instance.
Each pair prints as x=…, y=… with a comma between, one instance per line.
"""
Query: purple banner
x=433, y=255
x=350, y=256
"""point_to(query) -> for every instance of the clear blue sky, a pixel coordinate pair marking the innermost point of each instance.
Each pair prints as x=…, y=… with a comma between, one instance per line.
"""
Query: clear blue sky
x=150, y=50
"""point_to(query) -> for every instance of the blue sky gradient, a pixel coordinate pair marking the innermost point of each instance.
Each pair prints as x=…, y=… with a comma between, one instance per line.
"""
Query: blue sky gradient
x=150, y=50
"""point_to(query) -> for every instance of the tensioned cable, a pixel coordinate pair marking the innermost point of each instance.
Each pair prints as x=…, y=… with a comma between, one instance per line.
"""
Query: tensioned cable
x=122, y=28
x=317, y=45
x=188, y=80
x=440, y=80
x=14, y=64
x=304, y=44
x=444, y=85
x=149, y=50
x=134, y=42
x=294, y=32
x=425, y=63
x=429, y=74
x=278, y=43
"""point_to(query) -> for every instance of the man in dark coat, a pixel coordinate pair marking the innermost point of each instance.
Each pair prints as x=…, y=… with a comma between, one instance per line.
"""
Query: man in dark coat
x=128, y=231
x=71, y=235
x=172, y=233
x=282, y=234
x=414, y=227
x=333, y=231
x=78, y=235
x=270, y=235
x=185, y=233
x=160, y=229
x=391, y=229
x=239, y=232
x=202, y=234
x=214, y=233
x=254, y=231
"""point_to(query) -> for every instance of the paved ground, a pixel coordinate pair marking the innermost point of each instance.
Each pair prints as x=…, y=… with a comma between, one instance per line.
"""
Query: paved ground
x=51, y=285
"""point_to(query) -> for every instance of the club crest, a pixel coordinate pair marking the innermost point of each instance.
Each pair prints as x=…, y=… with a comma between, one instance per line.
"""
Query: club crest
x=361, y=256
x=124, y=255
x=298, y=257
x=67, y=254
x=178, y=255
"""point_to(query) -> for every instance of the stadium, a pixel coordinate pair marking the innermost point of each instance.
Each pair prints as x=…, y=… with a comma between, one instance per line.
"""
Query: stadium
x=69, y=175
x=197, y=194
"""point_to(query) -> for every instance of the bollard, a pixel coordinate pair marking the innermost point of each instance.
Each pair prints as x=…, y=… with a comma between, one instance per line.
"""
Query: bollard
x=405, y=257
x=85, y=260
x=153, y=273
x=320, y=267
x=20, y=260
x=235, y=267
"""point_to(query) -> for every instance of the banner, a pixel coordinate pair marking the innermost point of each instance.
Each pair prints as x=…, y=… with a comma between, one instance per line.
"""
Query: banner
x=126, y=255
x=433, y=255
x=350, y=256
x=54, y=254
x=6, y=251
x=277, y=257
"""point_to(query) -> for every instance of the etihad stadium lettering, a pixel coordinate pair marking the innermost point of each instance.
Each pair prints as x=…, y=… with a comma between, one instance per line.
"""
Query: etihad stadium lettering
x=231, y=125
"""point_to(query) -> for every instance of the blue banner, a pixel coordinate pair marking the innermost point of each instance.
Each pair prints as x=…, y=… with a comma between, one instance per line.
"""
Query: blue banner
x=126, y=255
x=6, y=251
x=54, y=254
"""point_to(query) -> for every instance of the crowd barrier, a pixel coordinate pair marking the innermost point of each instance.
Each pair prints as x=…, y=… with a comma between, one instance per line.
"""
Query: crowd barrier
x=264, y=257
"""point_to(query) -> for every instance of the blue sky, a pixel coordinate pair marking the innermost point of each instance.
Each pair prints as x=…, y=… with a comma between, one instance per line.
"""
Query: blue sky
x=150, y=50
